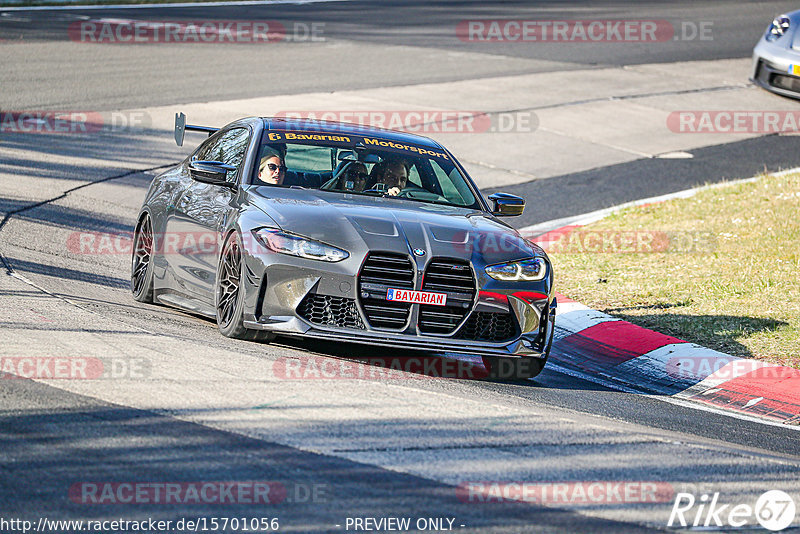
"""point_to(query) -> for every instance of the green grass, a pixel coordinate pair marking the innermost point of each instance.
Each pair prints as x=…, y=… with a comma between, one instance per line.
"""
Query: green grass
x=723, y=270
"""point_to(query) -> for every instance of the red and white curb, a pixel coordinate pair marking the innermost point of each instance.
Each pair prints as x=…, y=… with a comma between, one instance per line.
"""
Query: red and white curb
x=619, y=353
x=616, y=353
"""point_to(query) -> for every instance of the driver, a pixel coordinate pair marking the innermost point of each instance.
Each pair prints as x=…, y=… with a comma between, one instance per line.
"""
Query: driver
x=393, y=173
x=271, y=168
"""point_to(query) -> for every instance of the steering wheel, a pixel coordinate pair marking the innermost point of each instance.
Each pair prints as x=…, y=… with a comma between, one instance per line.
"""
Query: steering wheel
x=376, y=189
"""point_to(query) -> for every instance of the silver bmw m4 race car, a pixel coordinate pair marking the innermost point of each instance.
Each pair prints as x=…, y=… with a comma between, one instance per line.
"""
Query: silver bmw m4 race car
x=776, y=57
x=343, y=233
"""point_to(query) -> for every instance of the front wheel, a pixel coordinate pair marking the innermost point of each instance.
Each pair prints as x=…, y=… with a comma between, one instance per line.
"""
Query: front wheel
x=503, y=368
x=142, y=261
x=229, y=294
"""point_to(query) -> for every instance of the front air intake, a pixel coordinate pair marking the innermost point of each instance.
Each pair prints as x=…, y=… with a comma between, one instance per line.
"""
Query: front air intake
x=491, y=327
x=381, y=271
x=454, y=278
x=328, y=310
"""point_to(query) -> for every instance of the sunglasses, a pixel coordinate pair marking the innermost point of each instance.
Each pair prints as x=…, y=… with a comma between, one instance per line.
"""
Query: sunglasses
x=272, y=167
x=360, y=175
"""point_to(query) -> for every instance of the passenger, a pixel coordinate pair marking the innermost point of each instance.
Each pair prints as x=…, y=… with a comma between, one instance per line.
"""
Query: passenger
x=271, y=170
x=354, y=178
x=393, y=173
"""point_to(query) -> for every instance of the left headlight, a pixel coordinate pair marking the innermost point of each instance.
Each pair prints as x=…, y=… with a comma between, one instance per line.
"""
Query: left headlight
x=778, y=28
x=293, y=245
x=529, y=270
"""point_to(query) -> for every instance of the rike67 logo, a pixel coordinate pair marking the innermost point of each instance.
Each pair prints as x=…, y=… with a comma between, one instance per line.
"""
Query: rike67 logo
x=774, y=510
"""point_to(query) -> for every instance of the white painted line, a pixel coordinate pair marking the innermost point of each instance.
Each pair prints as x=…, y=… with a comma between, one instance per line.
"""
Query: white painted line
x=675, y=155
x=594, y=216
x=7, y=17
x=162, y=6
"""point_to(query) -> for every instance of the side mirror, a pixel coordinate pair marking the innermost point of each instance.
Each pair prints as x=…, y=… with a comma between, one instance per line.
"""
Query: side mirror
x=506, y=205
x=211, y=172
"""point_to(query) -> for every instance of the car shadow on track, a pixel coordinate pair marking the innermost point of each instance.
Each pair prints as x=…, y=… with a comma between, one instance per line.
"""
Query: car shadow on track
x=69, y=218
x=82, y=157
x=79, y=458
x=24, y=266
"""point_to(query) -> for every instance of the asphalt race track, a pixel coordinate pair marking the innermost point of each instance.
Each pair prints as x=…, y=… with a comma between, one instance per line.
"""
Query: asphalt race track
x=190, y=406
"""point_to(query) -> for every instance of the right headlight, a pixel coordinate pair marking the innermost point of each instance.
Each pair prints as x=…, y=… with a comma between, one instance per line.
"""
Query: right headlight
x=529, y=270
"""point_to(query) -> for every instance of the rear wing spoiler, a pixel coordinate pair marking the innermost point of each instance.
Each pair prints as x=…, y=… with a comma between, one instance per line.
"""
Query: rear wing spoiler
x=181, y=127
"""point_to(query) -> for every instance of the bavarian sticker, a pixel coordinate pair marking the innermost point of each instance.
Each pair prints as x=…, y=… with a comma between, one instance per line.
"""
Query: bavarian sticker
x=416, y=297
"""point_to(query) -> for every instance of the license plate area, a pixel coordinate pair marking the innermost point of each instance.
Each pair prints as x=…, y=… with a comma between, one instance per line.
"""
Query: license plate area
x=416, y=297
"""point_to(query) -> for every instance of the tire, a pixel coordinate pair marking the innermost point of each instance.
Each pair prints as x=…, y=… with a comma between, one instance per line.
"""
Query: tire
x=229, y=296
x=503, y=368
x=142, y=261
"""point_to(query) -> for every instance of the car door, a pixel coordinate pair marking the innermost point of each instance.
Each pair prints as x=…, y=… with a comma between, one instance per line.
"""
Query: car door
x=200, y=214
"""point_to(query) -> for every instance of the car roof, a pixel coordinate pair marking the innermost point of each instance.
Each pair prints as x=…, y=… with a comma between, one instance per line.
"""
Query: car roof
x=343, y=128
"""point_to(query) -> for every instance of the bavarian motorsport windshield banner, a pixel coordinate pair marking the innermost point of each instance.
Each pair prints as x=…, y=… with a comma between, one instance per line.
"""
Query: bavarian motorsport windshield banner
x=349, y=141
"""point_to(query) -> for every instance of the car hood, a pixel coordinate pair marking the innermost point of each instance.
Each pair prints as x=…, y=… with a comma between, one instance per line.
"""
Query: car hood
x=359, y=223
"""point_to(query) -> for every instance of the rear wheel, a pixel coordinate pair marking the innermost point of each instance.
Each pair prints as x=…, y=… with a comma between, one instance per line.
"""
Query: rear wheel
x=503, y=368
x=142, y=261
x=229, y=295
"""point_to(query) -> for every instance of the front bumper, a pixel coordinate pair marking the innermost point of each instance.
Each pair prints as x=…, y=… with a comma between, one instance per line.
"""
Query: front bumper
x=771, y=70
x=278, y=295
x=525, y=345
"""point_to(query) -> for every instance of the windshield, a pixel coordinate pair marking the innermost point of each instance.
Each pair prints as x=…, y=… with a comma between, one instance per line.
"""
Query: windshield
x=361, y=166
